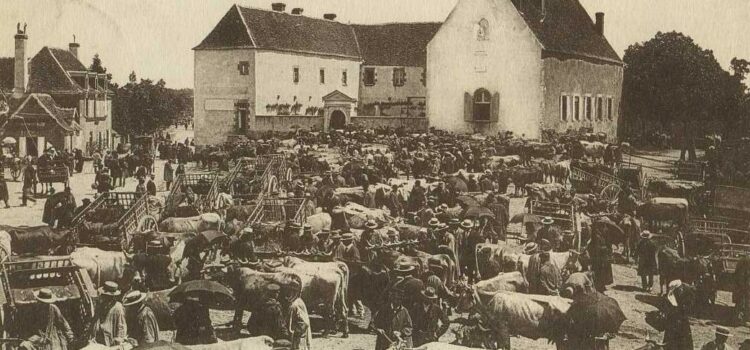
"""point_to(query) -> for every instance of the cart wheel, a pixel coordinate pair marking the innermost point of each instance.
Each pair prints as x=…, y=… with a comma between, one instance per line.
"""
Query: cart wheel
x=148, y=223
x=610, y=193
x=289, y=175
x=272, y=184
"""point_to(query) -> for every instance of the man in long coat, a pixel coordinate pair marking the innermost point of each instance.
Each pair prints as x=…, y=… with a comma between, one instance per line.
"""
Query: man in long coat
x=646, y=252
x=601, y=261
x=299, y=321
x=392, y=323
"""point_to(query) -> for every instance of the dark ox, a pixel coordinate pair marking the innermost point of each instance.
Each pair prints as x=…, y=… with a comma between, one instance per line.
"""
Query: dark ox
x=695, y=270
x=40, y=240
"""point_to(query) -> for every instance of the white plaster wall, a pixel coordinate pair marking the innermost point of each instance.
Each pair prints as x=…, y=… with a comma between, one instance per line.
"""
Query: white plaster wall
x=383, y=88
x=513, y=68
x=274, y=79
x=217, y=77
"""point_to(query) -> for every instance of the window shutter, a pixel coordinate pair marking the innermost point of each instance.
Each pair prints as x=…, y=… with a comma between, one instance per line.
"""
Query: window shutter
x=468, y=107
x=374, y=76
x=404, y=76
x=495, y=108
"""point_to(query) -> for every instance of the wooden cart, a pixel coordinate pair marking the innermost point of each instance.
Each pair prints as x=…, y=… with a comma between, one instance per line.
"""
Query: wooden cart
x=21, y=278
x=564, y=215
x=609, y=186
x=54, y=172
x=278, y=210
x=205, y=186
x=132, y=214
x=263, y=175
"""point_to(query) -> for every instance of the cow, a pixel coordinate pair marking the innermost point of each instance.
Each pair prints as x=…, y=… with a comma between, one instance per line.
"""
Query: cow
x=323, y=283
x=249, y=287
x=696, y=270
x=484, y=290
x=256, y=343
x=594, y=150
x=319, y=222
x=101, y=265
x=208, y=221
x=528, y=315
x=577, y=284
x=492, y=259
x=39, y=240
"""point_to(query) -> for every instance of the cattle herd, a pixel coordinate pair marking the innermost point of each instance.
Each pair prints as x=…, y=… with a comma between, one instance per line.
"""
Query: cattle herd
x=393, y=234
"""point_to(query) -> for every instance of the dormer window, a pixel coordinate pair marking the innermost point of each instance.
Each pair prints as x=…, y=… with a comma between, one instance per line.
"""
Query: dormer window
x=483, y=28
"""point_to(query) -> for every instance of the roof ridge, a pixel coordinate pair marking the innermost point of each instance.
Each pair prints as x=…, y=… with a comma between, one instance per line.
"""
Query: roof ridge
x=60, y=66
x=244, y=22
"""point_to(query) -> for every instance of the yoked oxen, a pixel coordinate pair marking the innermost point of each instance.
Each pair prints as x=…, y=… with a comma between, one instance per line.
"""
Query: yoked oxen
x=483, y=291
x=566, y=262
x=38, y=240
x=200, y=223
x=323, y=283
x=594, y=150
x=528, y=315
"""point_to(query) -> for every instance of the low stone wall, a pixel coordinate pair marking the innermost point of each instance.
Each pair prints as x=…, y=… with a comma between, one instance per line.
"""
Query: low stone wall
x=413, y=124
x=285, y=122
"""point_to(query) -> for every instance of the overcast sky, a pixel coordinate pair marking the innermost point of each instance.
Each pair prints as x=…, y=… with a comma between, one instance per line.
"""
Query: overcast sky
x=154, y=37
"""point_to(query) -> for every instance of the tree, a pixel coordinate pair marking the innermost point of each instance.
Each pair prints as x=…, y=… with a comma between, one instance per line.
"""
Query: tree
x=144, y=107
x=96, y=66
x=674, y=83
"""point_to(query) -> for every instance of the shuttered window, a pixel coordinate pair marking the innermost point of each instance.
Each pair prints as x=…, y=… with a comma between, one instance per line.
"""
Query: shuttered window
x=564, y=107
x=577, y=108
x=399, y=76
x=368, y=76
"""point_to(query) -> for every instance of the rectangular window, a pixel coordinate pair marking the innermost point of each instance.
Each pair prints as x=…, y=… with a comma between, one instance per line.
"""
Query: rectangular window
x=295, y=75
x=587, y=107
x=344, y=78
x=322, y=76
x=599, y=108
x=399, y=76
x=244, y=67
x=577, y=107
x=610, y=114
x=369, y=76
x=564, y=107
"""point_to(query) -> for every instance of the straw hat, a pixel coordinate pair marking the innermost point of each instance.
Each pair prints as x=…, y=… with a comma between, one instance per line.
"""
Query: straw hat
x=110, y=288
x=133, y=298
x=371, y=224
x=347, y=237
x=433, y=222
x=723, y=331
x=467, y=223
x=430, y=294
x=45, y=295
x=530, y=248
x=547, y=221
x=404, y=268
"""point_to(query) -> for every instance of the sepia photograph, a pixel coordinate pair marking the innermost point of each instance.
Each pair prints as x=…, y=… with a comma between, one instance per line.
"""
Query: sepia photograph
x=374, y=175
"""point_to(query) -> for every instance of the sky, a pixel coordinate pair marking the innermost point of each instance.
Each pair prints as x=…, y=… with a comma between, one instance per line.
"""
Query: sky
x=154, y=37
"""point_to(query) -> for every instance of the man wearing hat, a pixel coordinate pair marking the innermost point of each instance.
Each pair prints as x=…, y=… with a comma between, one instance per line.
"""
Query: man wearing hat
x=193, y=323
x=142, y=324
x=430, y=321
x=110, y=327
x=268, y=319
x=646, y=253
x=600, y=253
x=550, y=279
x=242, y=248
x=151, y=185
x=393, y=202
x=720, y=342
x=535, y=264
x=308, y=241
x=324, y=243
x=299, y=320
x=51, y=331
x=156, y=266
x=550, y=233
x=677, y=333
x=392, y=322
x=410, y=285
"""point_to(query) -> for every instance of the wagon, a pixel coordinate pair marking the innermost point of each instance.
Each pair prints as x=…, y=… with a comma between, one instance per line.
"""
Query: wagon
x=252, y=177
x=564, y=215
x=662, y=213
x=731, y=205
x=54, y=172
x=279, y=210
x=205, y=186
x=608, y=185
x=728, y=255
x=22, y=277
x=677, y=188
x=112, y=219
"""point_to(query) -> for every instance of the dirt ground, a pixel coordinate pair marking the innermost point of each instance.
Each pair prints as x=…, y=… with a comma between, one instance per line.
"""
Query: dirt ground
x=633, y=302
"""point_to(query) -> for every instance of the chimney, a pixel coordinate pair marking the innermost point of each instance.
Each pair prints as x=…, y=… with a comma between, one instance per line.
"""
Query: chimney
x=599, y=25
x=297, y=11
x=19, y=64
x=73, y=47
x=330, y=16
x=278, y=6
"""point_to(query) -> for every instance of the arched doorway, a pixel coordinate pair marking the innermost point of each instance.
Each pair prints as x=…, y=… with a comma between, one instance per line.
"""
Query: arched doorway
x=338, y=120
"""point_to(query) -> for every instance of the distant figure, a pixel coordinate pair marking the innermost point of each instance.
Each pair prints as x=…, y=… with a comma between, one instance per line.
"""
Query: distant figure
x=4, y=191
x=646, y=252
x=168, y=174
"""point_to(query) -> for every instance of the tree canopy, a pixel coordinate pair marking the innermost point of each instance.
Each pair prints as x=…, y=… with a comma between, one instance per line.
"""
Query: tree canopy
x=143, y=107
x=671, y=80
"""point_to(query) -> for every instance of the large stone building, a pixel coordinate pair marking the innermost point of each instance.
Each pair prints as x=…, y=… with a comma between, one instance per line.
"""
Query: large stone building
x=522, y=66
x=53, y=100
x=260, y=70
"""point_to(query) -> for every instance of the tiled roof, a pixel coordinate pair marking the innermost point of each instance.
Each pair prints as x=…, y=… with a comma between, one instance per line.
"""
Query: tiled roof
x=271, y=30
x=67, y=60
x=566, y=28
x=395, y=44
x=36, y=106
x=48, y=75
x=7, y=73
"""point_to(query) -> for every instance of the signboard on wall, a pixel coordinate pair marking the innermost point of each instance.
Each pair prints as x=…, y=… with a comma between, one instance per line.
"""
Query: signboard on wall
x=219, y=105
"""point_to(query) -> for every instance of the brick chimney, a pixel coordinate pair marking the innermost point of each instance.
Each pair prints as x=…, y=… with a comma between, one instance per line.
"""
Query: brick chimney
x=599, y=24
x=278, y=6
x=330, y=16
x=19, y=64
x=297, y=11
x=73, y=47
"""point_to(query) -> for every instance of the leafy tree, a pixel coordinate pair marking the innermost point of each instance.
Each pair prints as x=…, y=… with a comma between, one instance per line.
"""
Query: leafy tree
x=96, y=66
x=672, y=82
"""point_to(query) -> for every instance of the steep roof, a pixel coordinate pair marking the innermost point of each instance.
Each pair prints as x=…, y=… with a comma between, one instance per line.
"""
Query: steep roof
x=35, y=108
x=566, y=28
x=67, y=60
x=7, y=73
x=395, y=44
x=48, y=75
x=244, y=27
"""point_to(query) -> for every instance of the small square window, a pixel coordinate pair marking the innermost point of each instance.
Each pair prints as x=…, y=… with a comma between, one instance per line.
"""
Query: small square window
x=295, y=75
x=244, y=68
x=322, y=76
x=369, y=76
x=344, y=78
x=399, y=76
